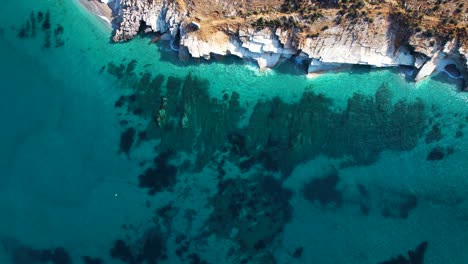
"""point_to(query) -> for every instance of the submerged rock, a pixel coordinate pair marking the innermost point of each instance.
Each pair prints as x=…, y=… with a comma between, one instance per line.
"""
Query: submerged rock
x=22, y=254
x=122, y=251
x=436, y=153
x=434, y=135
x=257, y=208
x=399, y=206
x=91, y=260
x=149, y=247
x=278, y=135
x=126, y=140
x=439, y=153
x=414, y=256
x=159, y=177
x=324, y=190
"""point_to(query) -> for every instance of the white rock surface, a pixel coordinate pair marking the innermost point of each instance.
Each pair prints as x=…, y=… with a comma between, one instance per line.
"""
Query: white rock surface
x=159, y=15
x=358, y=45
x=429, y=67
x=262, y=46
x=372, y=44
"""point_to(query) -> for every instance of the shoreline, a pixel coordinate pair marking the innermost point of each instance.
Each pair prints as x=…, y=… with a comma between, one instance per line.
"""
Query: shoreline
x=105, y=13
x=99, y=9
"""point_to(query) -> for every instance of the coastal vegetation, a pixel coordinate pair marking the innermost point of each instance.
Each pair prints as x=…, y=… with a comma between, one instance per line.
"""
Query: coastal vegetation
x=436, y=21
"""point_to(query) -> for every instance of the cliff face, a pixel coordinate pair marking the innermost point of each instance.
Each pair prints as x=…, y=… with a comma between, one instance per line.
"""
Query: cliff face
x=363, y=43
x=157, y=16
x=204, y=29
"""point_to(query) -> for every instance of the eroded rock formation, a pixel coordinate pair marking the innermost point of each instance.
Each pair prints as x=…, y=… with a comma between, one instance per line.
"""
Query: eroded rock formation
x=225, y=29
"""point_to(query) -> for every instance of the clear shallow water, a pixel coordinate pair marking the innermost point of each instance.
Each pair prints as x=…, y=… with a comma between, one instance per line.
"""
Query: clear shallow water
x=65, y=183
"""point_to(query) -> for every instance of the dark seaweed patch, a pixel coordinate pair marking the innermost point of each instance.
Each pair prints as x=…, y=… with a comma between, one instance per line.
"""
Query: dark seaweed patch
x=126, y=140
x=459, y=133
x=279, y=135
x=364, y=208
x=154, y=248
x=122, y=251
x=40, y=16
x=439, y=153
x=400, y=208
x=363, y=190
x=258, y=208
x=32, y=18
x=195, y=259
x=150, y=248
x=298, y=252
x=259, y=245
x=414, y=256
x=434, y=135
x=26, y=255
x=238, y=143
x=91, y=260
x=142, y=135
x=183, y=246
x=137, y=111
x=103, y=68
x=60, y=256
x=120, y=102
x=47, y=40
x=436, y=153
x=313, y=128
x=131, y=66
x=186, y=112
x=29, y=29
x=117, y=71
x=324, y=190
x=46, y=24
x=58, y=32
x=450, y=150
x=160, y=177
x=364, y=204
x=260, y=157
x=22, y=33
x=146, y=98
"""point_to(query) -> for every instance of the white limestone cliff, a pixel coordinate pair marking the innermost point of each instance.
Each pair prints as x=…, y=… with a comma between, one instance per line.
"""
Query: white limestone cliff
x=158, y=15
x=364, y=43
x=360, y=44
x=262, y=46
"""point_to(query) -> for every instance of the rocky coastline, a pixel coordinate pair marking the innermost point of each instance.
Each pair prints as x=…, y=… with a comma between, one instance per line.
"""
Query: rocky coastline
x=379, y=43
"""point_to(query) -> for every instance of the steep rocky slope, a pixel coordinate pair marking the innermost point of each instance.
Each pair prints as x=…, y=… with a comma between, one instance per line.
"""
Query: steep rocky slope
x=326, y=34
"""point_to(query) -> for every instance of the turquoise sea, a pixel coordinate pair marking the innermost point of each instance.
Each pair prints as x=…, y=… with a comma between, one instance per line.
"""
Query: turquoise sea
x=120, y=153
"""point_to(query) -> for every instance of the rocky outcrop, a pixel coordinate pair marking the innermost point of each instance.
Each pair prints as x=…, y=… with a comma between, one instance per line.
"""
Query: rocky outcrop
x=362, y=43
x=452, y=53
x=463, y=63
x=374, y=43
x=157, y=15
x=262, y=46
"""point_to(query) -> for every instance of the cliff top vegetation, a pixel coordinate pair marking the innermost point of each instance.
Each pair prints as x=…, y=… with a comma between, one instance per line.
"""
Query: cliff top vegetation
x=438, y=20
